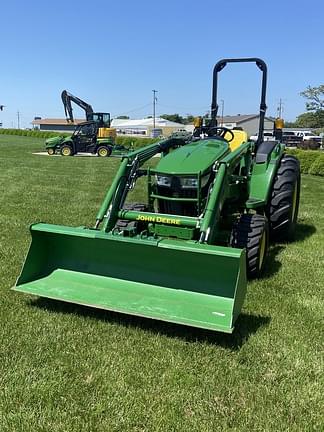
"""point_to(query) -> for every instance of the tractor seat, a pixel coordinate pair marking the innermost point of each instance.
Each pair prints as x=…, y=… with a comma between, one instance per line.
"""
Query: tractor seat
x=240, y=136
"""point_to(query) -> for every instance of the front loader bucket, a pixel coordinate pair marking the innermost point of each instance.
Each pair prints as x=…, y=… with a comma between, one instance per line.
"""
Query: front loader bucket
x=171, y=280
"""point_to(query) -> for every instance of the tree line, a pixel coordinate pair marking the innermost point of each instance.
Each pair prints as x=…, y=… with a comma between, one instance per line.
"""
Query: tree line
x=171, y=117
x=314, y=115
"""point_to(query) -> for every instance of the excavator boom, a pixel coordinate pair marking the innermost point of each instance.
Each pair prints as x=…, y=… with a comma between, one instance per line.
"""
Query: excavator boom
x=67, y=99
x=102, y=119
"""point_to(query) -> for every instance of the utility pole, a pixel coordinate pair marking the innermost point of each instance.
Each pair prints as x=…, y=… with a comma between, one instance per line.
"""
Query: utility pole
x=18, y=119
x=222, y=112
x=154, y=102
x=280, y=108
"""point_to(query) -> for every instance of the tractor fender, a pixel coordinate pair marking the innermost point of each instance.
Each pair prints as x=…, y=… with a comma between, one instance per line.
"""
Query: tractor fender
x=266, y=164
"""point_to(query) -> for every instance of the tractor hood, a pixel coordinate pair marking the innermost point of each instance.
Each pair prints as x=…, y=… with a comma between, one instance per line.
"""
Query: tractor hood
x=52, y=142
x=194, y=157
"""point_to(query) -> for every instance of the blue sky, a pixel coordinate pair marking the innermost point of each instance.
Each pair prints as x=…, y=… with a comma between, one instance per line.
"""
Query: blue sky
x=112, y=54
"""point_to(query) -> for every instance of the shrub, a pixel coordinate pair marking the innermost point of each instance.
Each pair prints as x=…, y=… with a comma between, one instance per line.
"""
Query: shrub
x=128, y=141
x=317, y=168
x=137, y=142
x=121, y=140
x=32, y=133
x=306, y=159
x=311, y=161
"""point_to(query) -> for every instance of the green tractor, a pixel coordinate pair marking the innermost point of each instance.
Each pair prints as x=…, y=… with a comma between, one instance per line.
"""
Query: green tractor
x=214, y=203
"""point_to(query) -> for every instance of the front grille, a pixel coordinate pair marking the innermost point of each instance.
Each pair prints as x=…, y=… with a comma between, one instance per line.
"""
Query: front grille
x=174, y=207
x=176, y=192
x=177, y=208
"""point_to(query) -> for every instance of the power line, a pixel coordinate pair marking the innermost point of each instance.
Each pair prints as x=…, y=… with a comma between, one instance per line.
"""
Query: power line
x=204, y=108
x=154, y=102
x=133, y=110
x=159, y=105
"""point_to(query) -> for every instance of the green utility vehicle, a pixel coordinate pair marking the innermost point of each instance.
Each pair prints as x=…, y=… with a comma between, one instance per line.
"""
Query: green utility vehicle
x=94, y=136
x=213, y=204
x=85, y=139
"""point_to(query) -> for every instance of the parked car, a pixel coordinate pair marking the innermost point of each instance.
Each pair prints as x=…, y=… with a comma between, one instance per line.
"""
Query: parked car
x=291, y=139
x=310, y=138
x=308, y=135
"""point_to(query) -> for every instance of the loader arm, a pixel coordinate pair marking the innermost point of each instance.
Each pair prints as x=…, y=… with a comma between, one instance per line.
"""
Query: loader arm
x=220, y=192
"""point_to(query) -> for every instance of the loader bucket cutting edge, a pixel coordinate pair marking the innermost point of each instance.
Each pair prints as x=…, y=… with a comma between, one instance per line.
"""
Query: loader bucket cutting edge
x=181, y=282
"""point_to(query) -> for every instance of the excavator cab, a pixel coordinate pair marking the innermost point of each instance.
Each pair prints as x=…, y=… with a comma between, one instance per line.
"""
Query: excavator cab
x=102, y=119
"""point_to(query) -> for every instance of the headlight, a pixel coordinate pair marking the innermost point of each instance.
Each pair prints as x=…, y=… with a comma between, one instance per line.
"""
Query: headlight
x=189, y=182
x=185, y=182
x=163, y=180
x=192, y=182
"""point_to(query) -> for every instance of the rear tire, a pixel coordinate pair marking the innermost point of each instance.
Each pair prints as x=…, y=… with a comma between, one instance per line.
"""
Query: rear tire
x=282, y=209
x=104, y=151
x=66, y=150
x=251, y=232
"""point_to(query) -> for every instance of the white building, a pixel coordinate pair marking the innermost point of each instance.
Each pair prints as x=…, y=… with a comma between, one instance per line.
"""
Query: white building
x=145, y=126
x=141, y=127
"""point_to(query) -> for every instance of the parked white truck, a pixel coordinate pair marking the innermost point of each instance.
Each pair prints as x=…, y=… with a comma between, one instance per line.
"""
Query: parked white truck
x=308, y=135
x=310, y=140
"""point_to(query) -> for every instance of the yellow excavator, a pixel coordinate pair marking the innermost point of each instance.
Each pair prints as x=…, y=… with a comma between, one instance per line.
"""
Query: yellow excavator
x=95, y=135
x=100, y=118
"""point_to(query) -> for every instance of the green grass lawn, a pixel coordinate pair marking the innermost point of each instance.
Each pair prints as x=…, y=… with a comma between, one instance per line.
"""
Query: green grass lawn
x=70, y=368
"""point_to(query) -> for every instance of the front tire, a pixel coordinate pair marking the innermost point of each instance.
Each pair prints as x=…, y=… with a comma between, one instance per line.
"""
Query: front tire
x=282, y=209
x=50, y=151
x=251, y=232
x=128, y=227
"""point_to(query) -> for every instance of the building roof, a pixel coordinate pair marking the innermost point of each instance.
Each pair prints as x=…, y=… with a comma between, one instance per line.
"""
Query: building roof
x=240, y=118
x=147, y=122
x=129, y=123
x=55, y=121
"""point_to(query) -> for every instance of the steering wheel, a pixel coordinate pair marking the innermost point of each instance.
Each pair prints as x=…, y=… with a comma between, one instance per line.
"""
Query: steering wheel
x=221, y=132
